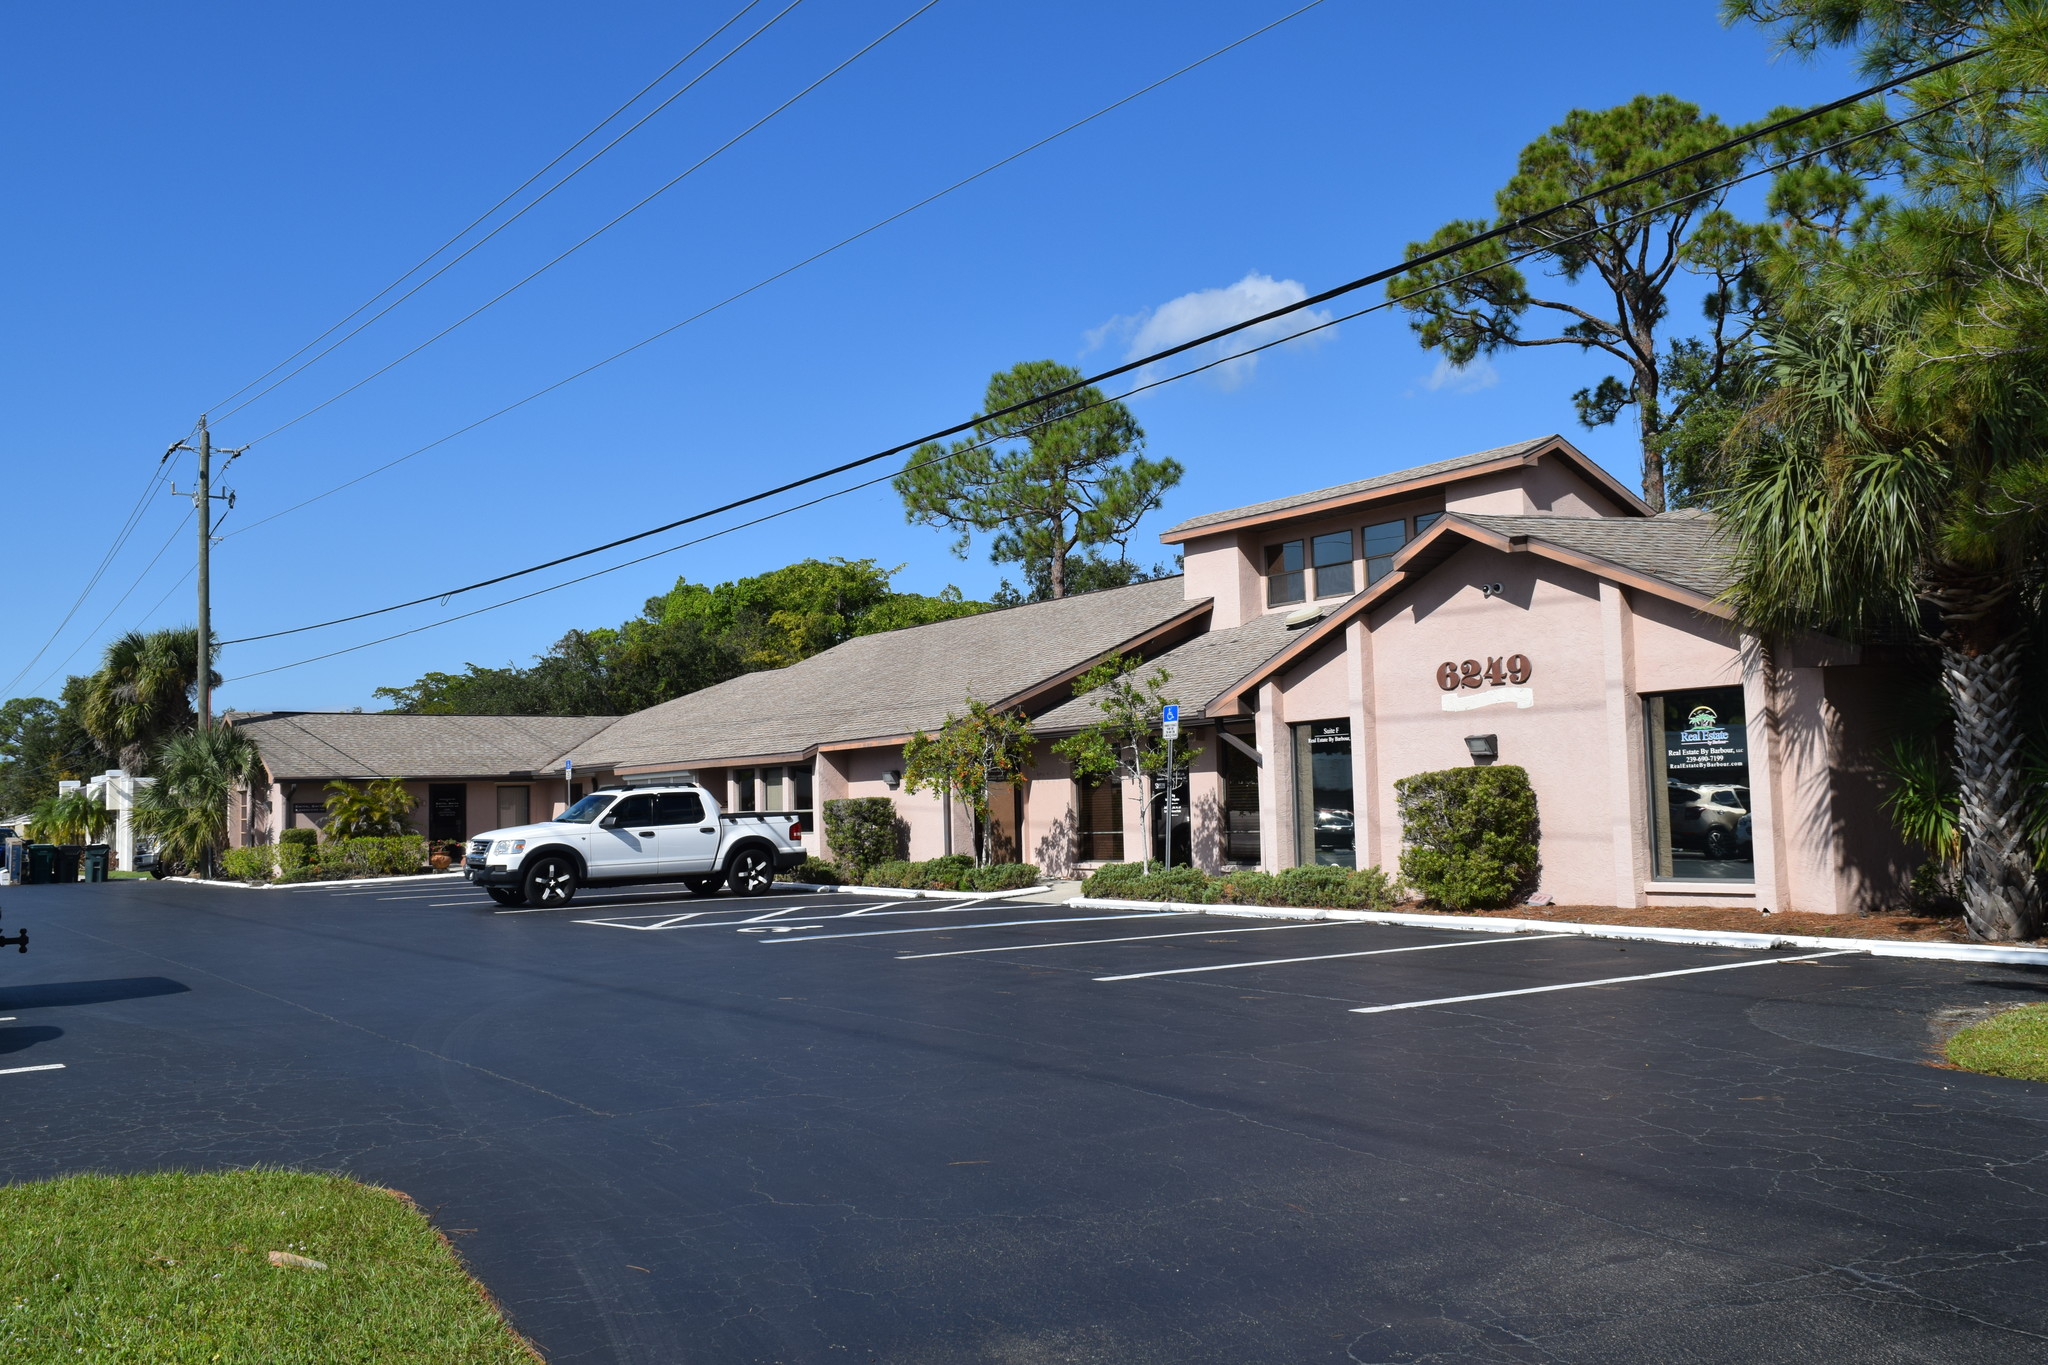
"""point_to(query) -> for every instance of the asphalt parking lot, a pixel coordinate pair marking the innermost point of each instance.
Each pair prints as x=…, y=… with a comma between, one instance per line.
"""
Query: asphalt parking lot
x=857, y=1128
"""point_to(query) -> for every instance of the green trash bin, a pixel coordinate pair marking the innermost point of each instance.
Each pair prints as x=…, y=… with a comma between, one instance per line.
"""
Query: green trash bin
x=67, y=864
x=97, y=856
x=42, y=864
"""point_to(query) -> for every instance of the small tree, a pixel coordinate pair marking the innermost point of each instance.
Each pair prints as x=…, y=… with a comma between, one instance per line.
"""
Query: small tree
x=969, y=755
x=1067, y=488
x=1126, y=743
x=186, y=808
x=862, y=831
x=377, y=809
x=72, y=817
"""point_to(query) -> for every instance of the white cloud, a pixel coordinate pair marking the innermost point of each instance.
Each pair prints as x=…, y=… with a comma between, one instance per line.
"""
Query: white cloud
x=1205, y=311
x=1449, y=378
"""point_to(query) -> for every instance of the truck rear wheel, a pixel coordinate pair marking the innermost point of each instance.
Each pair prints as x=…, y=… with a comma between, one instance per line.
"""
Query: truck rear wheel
x=750, y=872
x=550, y=883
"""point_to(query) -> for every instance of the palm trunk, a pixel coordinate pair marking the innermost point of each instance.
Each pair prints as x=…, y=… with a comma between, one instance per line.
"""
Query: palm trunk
x=1982, y=658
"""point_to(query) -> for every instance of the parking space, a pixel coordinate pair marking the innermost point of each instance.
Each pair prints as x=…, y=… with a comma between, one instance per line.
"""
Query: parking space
x=808, y=1127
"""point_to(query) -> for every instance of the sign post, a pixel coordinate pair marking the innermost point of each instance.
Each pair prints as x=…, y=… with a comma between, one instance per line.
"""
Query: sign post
x=1169, y=725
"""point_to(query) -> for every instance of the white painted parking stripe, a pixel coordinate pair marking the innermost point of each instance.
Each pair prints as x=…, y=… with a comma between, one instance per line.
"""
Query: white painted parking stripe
x=1604, y=981
x=1326, y=957
x=1133, y=938
x=17, y=1070
x=999, y=924
x=619, y=920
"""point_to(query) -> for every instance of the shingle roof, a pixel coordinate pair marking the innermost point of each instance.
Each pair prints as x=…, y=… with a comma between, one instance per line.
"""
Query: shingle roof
x=327, y=744
x=1199, y=669
x=1685, y=548
x=1344, y=490
x=888, y=684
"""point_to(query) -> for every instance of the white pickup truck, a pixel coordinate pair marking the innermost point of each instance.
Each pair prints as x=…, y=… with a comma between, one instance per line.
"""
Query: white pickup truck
x=643, y=834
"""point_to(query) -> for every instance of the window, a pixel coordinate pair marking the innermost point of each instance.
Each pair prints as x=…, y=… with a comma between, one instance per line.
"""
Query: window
x=771, y=786
x=678, y=808
x=1240, y=795
x=800, y=790
x=743, y=789
x=1322, y=794
x=1284, y=574
x=1425, y=521
x=1331, y=556
x=1102, y=821
x=513, y=806
x=1381, y=541
x=1699, y=761
x=632, y=810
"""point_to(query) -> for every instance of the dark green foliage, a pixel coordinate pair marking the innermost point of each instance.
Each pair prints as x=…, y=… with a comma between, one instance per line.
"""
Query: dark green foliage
x=1129, y=881
x=946, y=873
x=889, y=872
x=815, y=871
x=1003, y=877
x=689, y=638
x=309, y=839
x=1312, y=887
x=1469, y=835
x=1047, y=480
x=863, y=831
x=954, y=872
x=387, y=856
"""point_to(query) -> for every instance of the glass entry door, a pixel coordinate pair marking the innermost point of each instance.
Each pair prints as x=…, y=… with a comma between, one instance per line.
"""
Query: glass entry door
x=1322, y=794
x=1699, y=785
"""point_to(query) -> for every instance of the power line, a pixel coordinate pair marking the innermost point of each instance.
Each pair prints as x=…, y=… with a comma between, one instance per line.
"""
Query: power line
x=121, y=538
x=1134, y=390
x=529, y=206
x=1127, y=367
x=692, y=170
x=764, y=282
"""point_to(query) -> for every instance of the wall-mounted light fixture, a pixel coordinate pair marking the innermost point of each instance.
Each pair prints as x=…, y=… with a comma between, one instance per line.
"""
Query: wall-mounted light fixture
x=1491, y=589
x=892, y=779
x=1483, y=748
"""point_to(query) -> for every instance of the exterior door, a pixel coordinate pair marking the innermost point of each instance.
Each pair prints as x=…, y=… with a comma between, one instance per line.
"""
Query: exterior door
x=688, y=841
x=626, y=842
x=447, y=812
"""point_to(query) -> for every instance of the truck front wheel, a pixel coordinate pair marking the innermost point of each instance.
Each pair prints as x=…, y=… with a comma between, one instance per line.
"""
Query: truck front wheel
x=751, y=872
x=550, y=883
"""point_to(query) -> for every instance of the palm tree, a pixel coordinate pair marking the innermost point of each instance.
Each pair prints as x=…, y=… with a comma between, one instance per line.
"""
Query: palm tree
x=70, y=817
x=186, y=808
x=1888, y=482
x=143, y=692
x=377, y=808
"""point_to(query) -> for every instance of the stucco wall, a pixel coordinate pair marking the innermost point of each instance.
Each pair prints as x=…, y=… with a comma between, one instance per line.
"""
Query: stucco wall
x=1550, y=488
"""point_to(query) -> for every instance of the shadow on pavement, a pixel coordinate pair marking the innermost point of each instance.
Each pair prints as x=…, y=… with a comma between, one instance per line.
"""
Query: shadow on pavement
x=88, y=992
x=20, y=1039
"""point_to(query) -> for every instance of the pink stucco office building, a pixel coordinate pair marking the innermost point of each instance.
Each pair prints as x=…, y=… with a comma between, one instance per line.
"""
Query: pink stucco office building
x=1514, y=605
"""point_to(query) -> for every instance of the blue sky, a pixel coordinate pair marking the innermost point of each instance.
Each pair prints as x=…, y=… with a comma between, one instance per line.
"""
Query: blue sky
x=214, y=185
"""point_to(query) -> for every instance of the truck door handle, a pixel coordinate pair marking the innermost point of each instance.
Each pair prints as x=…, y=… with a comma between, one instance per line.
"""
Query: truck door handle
x=647, y=834
x=707, y=829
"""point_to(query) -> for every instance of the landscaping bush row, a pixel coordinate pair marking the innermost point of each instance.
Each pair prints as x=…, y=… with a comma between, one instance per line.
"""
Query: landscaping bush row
x=1313, y=887
x=955, y=872
x=302, y=860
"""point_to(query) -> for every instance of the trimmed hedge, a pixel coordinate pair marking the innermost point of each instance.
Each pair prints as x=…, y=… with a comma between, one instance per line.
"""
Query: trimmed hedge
x=863, y=832
x=1469, y=835
x=816, y=871
x=1312, y=887
x=295, y=860
x=954, y=872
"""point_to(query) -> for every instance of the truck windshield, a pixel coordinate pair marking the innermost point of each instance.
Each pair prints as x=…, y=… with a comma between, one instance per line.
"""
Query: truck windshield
x=588, y=809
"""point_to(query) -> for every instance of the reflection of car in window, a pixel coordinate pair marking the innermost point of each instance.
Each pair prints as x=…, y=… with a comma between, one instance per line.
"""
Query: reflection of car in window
x=1710, y=818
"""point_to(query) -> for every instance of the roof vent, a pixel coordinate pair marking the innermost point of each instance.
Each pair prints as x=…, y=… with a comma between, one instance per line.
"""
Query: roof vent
x=1306, y=616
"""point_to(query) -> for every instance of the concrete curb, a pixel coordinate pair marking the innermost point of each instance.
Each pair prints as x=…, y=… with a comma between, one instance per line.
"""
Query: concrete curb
x=914, y=894
x=1718, y=938
x=417, y=877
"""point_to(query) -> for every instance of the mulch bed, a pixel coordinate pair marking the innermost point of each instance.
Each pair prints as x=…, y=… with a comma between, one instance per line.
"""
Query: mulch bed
x=1902, y=927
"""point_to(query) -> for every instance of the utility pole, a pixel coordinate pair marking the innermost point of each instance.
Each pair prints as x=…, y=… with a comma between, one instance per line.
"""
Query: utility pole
x=203, y=498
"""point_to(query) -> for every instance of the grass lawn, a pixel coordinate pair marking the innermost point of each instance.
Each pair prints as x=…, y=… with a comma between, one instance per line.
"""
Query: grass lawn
x=2014, y=1043
x=174, y=1268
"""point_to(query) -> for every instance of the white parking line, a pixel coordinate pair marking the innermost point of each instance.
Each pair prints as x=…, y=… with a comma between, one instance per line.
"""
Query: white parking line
x=999, y=924
x=1326, y=957
x=1131, y=938
x=17, y=1070
x=1603, y=981
x=619, y=921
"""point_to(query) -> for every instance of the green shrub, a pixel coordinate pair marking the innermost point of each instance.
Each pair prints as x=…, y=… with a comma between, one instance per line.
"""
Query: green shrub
x=251, y=864
x=894, y=872
x=388, y=855
x=1105, y=880
x=816, y=871
x=1163, y=884
x=294, y=859
x=1003, y=877
x=306, y=839
x=948, y=872
x=1469, y=835
x=863, y=832
x=1248, y=888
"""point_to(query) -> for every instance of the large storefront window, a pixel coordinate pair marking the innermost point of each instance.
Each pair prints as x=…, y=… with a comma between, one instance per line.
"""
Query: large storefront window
x=1322, y=794
x=1699, y=785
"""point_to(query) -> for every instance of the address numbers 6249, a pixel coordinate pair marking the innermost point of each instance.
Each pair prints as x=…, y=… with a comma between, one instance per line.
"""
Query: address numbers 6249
x=1497, y=671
